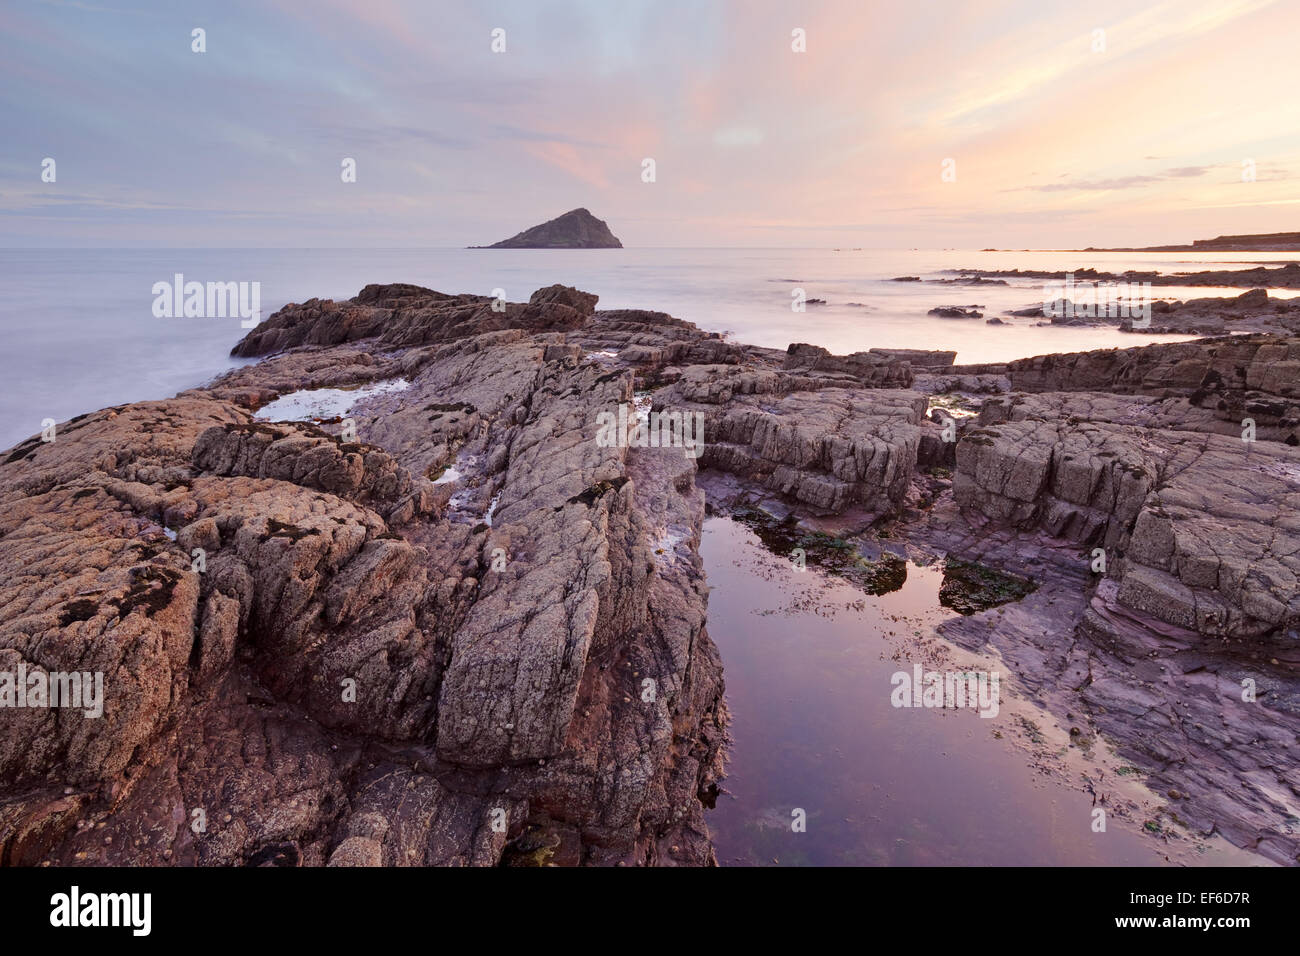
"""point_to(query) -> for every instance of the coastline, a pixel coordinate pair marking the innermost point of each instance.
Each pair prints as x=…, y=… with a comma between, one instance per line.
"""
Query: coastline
x=93, y=333
x=336, y=557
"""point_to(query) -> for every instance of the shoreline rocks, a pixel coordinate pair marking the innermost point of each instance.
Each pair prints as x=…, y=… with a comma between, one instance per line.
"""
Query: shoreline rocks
x=455, y=627
x=1251, y=311
x=1286, y=276
x=957, y=312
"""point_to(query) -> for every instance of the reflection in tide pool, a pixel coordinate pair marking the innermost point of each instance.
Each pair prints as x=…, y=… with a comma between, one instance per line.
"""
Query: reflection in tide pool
x=808, y=662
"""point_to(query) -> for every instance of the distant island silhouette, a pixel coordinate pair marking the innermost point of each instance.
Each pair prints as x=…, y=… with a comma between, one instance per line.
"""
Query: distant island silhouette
x=576, y=229
x=1261, y=242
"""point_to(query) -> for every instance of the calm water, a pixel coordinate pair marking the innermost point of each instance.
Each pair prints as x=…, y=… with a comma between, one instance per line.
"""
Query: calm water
x=808, y=670
x=80, y=334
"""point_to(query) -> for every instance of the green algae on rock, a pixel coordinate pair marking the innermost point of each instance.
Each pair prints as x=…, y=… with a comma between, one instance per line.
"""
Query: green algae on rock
x=969, y=586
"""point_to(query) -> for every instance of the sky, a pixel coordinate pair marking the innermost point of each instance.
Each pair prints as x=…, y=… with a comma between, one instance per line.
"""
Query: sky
x=927, y=123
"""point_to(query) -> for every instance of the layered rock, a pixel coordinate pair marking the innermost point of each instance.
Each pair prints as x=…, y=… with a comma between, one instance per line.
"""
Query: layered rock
x=1164, y=481
x=868, y=368
x=331, y=655
x=1201, y=519
x=1264, y=363
x=808, y=432
x=1286, y=276
x=400, y=316
x=459, y=627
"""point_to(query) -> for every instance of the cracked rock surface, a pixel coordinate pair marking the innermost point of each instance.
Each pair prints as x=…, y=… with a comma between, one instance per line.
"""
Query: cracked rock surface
x=453, y=626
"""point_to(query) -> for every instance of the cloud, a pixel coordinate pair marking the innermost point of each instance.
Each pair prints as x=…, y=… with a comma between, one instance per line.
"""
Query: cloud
x=89, y=7
x=1119, y=182
x=738, y=136
x=753, y=141
x=503, y=131
x=393, y=137
x=567, y=158
x=1123, y=182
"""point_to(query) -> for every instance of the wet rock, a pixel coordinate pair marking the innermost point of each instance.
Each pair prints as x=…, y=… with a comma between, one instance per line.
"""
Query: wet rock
x=872, y=369
x=956, y=312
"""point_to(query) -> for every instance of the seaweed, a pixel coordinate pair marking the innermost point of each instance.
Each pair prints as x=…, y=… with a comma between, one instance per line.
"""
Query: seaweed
x=534, y=847
x=598, y=491
x=969, y=586
x=151, y=589
x=835, y=555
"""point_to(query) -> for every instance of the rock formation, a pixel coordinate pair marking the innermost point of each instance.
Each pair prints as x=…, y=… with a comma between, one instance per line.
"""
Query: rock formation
x=457, y=627
x=1259, y=277
x=1252, y=311
x=576, y=229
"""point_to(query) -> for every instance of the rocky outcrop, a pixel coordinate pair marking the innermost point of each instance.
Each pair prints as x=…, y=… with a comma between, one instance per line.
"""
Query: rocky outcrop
x=311, y=458
x=325, y=651
x=576, y=229
x=822, y=430
x=873, y=369
x=1260, y=277
x=404, y=316
x=1135, y=473
x=1200, y=520
x=454, y=628
x=920, y=358
x=461, y=626
x=1252, y=311
x=1238, y=364
x=831, y=449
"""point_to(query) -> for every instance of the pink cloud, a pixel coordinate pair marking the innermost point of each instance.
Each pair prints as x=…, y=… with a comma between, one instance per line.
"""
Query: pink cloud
x=569, y=159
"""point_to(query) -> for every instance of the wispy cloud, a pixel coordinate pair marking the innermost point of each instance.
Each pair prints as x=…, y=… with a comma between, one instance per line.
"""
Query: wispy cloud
x=1120, y=182
x=1105, y=185
x=1054, y=141
x=568, y=158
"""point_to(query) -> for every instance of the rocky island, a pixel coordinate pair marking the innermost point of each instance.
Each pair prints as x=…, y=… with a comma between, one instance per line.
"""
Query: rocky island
x=451, y=626
x=576, y=229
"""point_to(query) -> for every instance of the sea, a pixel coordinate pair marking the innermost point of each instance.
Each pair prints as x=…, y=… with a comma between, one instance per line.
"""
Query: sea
x=80, y=332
